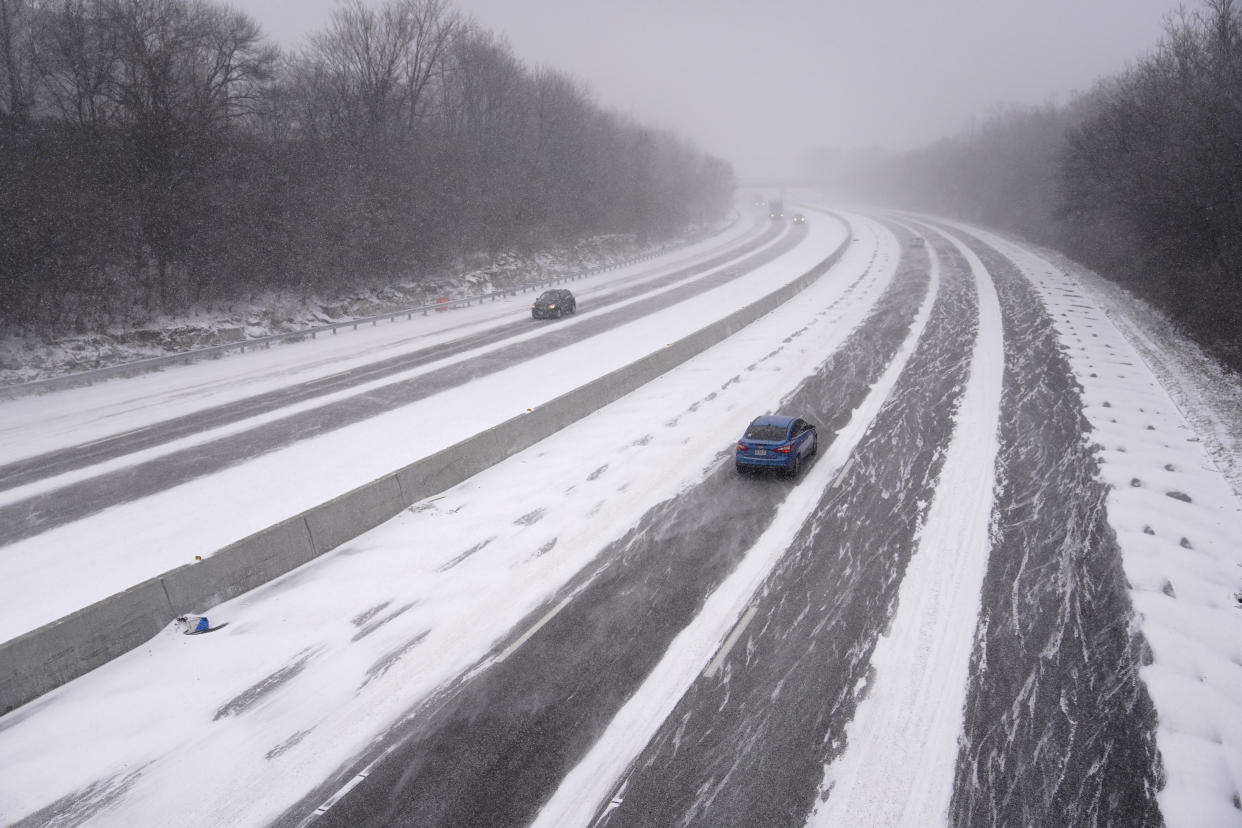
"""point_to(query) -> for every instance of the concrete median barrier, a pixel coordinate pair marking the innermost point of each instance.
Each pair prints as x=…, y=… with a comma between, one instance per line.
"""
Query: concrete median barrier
x=353, y=513
x=49, y=656
x=45, y=658
x=239, y=567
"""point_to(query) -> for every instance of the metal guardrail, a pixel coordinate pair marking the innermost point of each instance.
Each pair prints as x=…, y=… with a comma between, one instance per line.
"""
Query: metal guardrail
x=265, y=342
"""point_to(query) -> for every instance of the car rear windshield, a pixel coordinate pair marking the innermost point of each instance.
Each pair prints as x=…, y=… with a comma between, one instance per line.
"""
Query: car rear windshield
x=766, y=432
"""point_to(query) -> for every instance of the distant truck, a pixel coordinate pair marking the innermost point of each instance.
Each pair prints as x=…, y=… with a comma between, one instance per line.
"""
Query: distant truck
x=776, y=210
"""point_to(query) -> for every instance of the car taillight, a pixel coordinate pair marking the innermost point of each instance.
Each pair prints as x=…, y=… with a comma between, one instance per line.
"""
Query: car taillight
x=785, y=449
x=741, y=447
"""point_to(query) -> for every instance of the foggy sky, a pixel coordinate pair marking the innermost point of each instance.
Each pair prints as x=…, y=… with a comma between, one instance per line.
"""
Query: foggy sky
x=760, y=83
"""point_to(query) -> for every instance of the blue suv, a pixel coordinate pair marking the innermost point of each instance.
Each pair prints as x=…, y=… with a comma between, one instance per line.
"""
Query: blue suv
x=776, y=442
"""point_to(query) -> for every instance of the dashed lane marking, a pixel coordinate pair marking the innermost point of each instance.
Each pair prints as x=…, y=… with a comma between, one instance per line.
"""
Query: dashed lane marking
x=836, y=481
x=548, y=616
x=346, y=788
x=723, y=653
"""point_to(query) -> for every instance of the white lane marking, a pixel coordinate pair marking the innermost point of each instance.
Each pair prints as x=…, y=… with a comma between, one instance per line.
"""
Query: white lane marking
x=336, y=797
x=613, y=804
x=836, y=481
x=345, y=789
x=723, y=653
x=583, y=790
x=548, y=616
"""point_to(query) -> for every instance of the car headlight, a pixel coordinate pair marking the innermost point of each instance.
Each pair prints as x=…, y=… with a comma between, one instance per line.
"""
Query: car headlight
x=551, y=307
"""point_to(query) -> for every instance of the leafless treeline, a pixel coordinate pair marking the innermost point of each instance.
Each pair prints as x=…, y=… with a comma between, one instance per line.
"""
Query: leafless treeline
x=154, y=153
x=1141, y=178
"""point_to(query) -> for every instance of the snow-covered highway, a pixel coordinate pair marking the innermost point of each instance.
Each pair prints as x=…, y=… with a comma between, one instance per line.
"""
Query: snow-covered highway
x=1006, y=582
x=125, y=518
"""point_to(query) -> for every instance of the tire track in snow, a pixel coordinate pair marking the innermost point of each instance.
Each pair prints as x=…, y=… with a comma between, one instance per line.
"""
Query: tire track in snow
x=898, y=766
x=493, y=751
x=58, y=461
x=740, y=744
x=1059, y=728
x=45, y=510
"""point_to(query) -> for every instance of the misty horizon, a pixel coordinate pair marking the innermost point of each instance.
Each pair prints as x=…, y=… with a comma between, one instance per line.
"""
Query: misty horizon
x=763, y=89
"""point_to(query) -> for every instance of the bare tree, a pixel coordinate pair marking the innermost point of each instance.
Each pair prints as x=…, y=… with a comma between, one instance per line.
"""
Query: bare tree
x=169, y=153
x=17, y=58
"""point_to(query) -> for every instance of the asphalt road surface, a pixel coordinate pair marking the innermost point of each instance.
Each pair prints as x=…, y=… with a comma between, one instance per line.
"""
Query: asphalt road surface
x=38, y=513
x=495, y=750
x=1058, y=729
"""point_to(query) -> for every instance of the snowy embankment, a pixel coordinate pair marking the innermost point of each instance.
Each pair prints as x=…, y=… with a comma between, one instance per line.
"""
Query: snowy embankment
x=317, y=665
x=112, y=550
x=1178, y=524
x=1208, y=394
x=26, y=359
x=37, y=424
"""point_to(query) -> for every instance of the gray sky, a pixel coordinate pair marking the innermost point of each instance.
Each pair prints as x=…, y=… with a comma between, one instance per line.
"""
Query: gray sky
x=759, y=83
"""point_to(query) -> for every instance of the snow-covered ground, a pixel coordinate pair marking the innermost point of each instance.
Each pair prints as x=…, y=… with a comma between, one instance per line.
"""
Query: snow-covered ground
x=36, y=424
x=1178, y=523
x=29, y=358
x=124, y=545
x=596, y=776
x=233, y=727
x=1208, y=394
x=317, y=664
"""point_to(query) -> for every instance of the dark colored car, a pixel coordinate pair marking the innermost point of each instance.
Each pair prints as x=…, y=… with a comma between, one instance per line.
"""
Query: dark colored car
x=553, y=304
x=799, y=218
x=776, y=442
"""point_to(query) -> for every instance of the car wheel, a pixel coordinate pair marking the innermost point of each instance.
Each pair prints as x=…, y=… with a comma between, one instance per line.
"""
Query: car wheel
x=740, y=468
x=814, y=443
x=797, y=466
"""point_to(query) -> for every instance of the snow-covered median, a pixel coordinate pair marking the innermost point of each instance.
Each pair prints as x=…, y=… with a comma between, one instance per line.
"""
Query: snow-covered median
x=114, y=549
x=316, y=665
